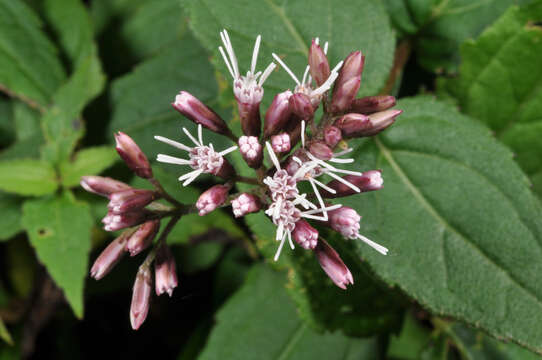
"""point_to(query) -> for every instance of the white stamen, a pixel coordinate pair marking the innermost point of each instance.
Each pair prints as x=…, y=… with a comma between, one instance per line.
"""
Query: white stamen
x=319, y=197
x=343, y=152
x=229, y=48
x=280, y=248
x=200, y=134
x=290, y=240
x=227, y=151
x=303, y=133
x=345, y=182
x=176, y=144
x=341, y=161
x=279, y=60
x=329, y=208
x=272, y=155
x=266, y=73
x=255, y=54
x=325, y=47
x=191, y=137
x=324, y=186
x=227, y=62
x=381, y=249
x=305, y=76
x=172, y=160
x=195, y=174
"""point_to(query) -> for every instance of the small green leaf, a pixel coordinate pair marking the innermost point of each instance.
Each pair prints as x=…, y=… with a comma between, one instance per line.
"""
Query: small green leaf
x=27, y=177
x=89, y=161
x=265, y=323
x=287, y=29
x=59, y=229
x=10, y=221
x=501, y=79
x=4, y=333
x=29, y=65
x=463, y=229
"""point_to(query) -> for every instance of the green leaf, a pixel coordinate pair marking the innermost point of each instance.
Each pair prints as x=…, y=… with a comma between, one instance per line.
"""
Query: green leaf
x=500, y=82
x=438, y=27
x=89, y=161
x=6, y=122
x=463, y=229
x=287, y=29
x=142, y=99
x=264, y=321
x=29, y=135
x=4, y=333
x=411, y=342
x=59, y=229
x=10, y=221
x=27, y=177
x=29, y=66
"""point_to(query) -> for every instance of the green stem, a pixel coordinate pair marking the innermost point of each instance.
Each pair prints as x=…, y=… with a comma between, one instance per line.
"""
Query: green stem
x=158, y=187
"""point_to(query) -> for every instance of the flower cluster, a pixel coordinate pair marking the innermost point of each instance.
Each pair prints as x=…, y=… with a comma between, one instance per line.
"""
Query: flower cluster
x=298, y=148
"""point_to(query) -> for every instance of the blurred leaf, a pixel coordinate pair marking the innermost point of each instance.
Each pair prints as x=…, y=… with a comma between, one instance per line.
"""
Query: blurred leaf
x=287, y=29
x=4, y=333
x=27, y=177
x=438, y=27
x=230, y=273
x=59, y=229
x=266, y=326
x=199, y=256
x=537, y=183
x=6, y=122
x=29, y=66
x=411, y=342
x=21, y=267
x=500, y=82
x=10, y=221
x=89, y=161
x=463, y=229
x=29, y=135
x=142, y=99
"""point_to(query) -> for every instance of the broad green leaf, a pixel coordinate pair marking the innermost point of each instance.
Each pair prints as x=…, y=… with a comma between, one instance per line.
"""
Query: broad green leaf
x=10, y=221
x=62, y=123
x=89, y=161
x=500, y=82
x=463, y=229
x=27, y=177
x=436, y=28
x=4, y=333
x=265, y=325
x=28, y=132
x=142, y=99
x=59, y=229
x=287, y=29
x=29, y=65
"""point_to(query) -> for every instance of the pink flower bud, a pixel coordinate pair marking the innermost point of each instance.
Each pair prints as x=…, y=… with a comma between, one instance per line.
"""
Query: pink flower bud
x=381, y=121
x=320, y=150
x=368, y=181
x=277, y=114
x=290, y=165
x=110, y=256
x=352, y=125
x=332, y=264
x=143, y=237
x=281, y=143
x=114, y=222
x=103, y=186
x=244, y=204
x=251, y=150
x=133, y=156
x=371, y=104
x=165, y=273
x=301, y=105
x=332, y=136
x=249, y=114
x=305, y=235
x=141, y=296
x=130, y=200
x=212, y=198
x=348, y=82
x=196, y=111
x=319, y=66
x=345, y=220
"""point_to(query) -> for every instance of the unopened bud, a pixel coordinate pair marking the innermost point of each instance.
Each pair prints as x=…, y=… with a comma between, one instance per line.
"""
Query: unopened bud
x=199, y=113
x=141, y=297
x=212, y=198
x=332, y=136
x=381, y=121
x=348, y=82
x=319, y=66
x=110, y=256
x=143, y=237
x=320, y=150
x=165, y=272
x=103, y=186
x=305, y=235
x=277, y=114
x=251, y=150
x=352, y=125
x=301, y=105
x=114, y=222
x=290, y=165
x=332, y=264
x=244, y=204
x=132, y=155
x=249, y=114
x=345, y=221
x=281, y=143
x=130, y=200
x=372, y=104
x=368, y=181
